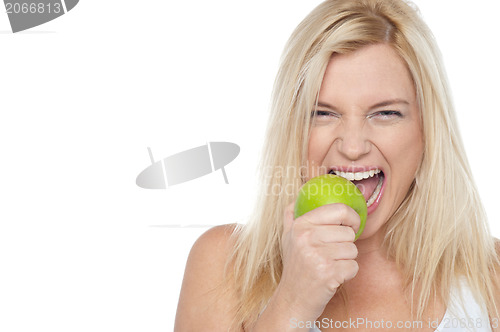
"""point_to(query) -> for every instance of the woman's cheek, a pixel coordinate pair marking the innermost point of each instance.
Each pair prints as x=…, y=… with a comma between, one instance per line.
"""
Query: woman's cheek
x=317, y=151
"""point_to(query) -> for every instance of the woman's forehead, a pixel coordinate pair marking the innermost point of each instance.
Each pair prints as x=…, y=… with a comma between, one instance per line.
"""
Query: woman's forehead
x=372, y=73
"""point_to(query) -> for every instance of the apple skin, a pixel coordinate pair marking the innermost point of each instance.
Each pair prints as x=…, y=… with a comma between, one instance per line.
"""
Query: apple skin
x=328, y=189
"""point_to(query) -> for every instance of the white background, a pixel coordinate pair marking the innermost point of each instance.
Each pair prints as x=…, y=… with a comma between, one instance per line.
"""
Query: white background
x=82, y=248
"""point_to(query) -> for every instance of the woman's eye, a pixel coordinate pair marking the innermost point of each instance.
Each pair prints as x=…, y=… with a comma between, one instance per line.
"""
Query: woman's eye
x=387, y=114
x=322, y=114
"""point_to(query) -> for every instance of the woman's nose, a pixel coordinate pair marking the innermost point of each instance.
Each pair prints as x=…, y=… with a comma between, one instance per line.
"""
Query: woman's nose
x=352, y=141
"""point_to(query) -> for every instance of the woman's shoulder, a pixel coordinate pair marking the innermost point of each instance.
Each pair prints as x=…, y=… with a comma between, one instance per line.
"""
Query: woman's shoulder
x=215, y=244
x=211, y=250
x=203, y=305
x=216, y=234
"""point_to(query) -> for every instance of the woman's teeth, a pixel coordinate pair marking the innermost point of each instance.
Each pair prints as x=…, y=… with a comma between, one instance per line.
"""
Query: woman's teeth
x=358, y=175
x=361, y=176
x=373, y=197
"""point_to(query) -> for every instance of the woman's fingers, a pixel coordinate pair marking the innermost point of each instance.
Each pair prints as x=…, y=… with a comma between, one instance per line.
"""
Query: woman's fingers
x=342, y=251
x=333, y=233
x=341, y=214
x=318, y=255
x=345, y=270
x=325, y=224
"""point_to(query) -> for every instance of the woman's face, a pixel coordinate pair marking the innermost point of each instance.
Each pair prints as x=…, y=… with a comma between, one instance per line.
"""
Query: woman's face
x=367, y=120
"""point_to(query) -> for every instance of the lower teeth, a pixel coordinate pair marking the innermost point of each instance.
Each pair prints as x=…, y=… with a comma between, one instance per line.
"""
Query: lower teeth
x=372, y=198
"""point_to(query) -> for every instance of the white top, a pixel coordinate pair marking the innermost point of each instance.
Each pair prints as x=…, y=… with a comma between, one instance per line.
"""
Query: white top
x=471, y=317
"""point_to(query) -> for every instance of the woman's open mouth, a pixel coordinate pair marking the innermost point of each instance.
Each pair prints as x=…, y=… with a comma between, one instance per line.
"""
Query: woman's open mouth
x=370, y=183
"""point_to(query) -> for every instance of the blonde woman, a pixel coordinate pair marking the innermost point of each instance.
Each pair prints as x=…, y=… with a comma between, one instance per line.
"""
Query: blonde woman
x=361, y=92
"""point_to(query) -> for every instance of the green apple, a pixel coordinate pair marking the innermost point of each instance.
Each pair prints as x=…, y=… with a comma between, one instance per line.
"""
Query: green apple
x=327, y=189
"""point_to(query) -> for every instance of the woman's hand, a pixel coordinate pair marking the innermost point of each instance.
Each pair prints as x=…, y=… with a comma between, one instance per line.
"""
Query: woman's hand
x=318, y=256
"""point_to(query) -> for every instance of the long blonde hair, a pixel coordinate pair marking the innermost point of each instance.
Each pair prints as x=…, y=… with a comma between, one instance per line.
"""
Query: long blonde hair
x=447, y=237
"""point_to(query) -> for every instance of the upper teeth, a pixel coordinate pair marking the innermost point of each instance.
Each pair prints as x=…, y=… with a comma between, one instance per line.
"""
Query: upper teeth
x=358, y=175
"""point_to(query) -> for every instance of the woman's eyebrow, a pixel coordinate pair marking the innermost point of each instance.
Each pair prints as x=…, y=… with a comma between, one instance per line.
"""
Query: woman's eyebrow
x=326, y=105
x=380, y=104
x=390, y=102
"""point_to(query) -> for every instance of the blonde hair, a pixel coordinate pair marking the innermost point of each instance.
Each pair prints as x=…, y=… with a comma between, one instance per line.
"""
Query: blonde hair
x=447, y=237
